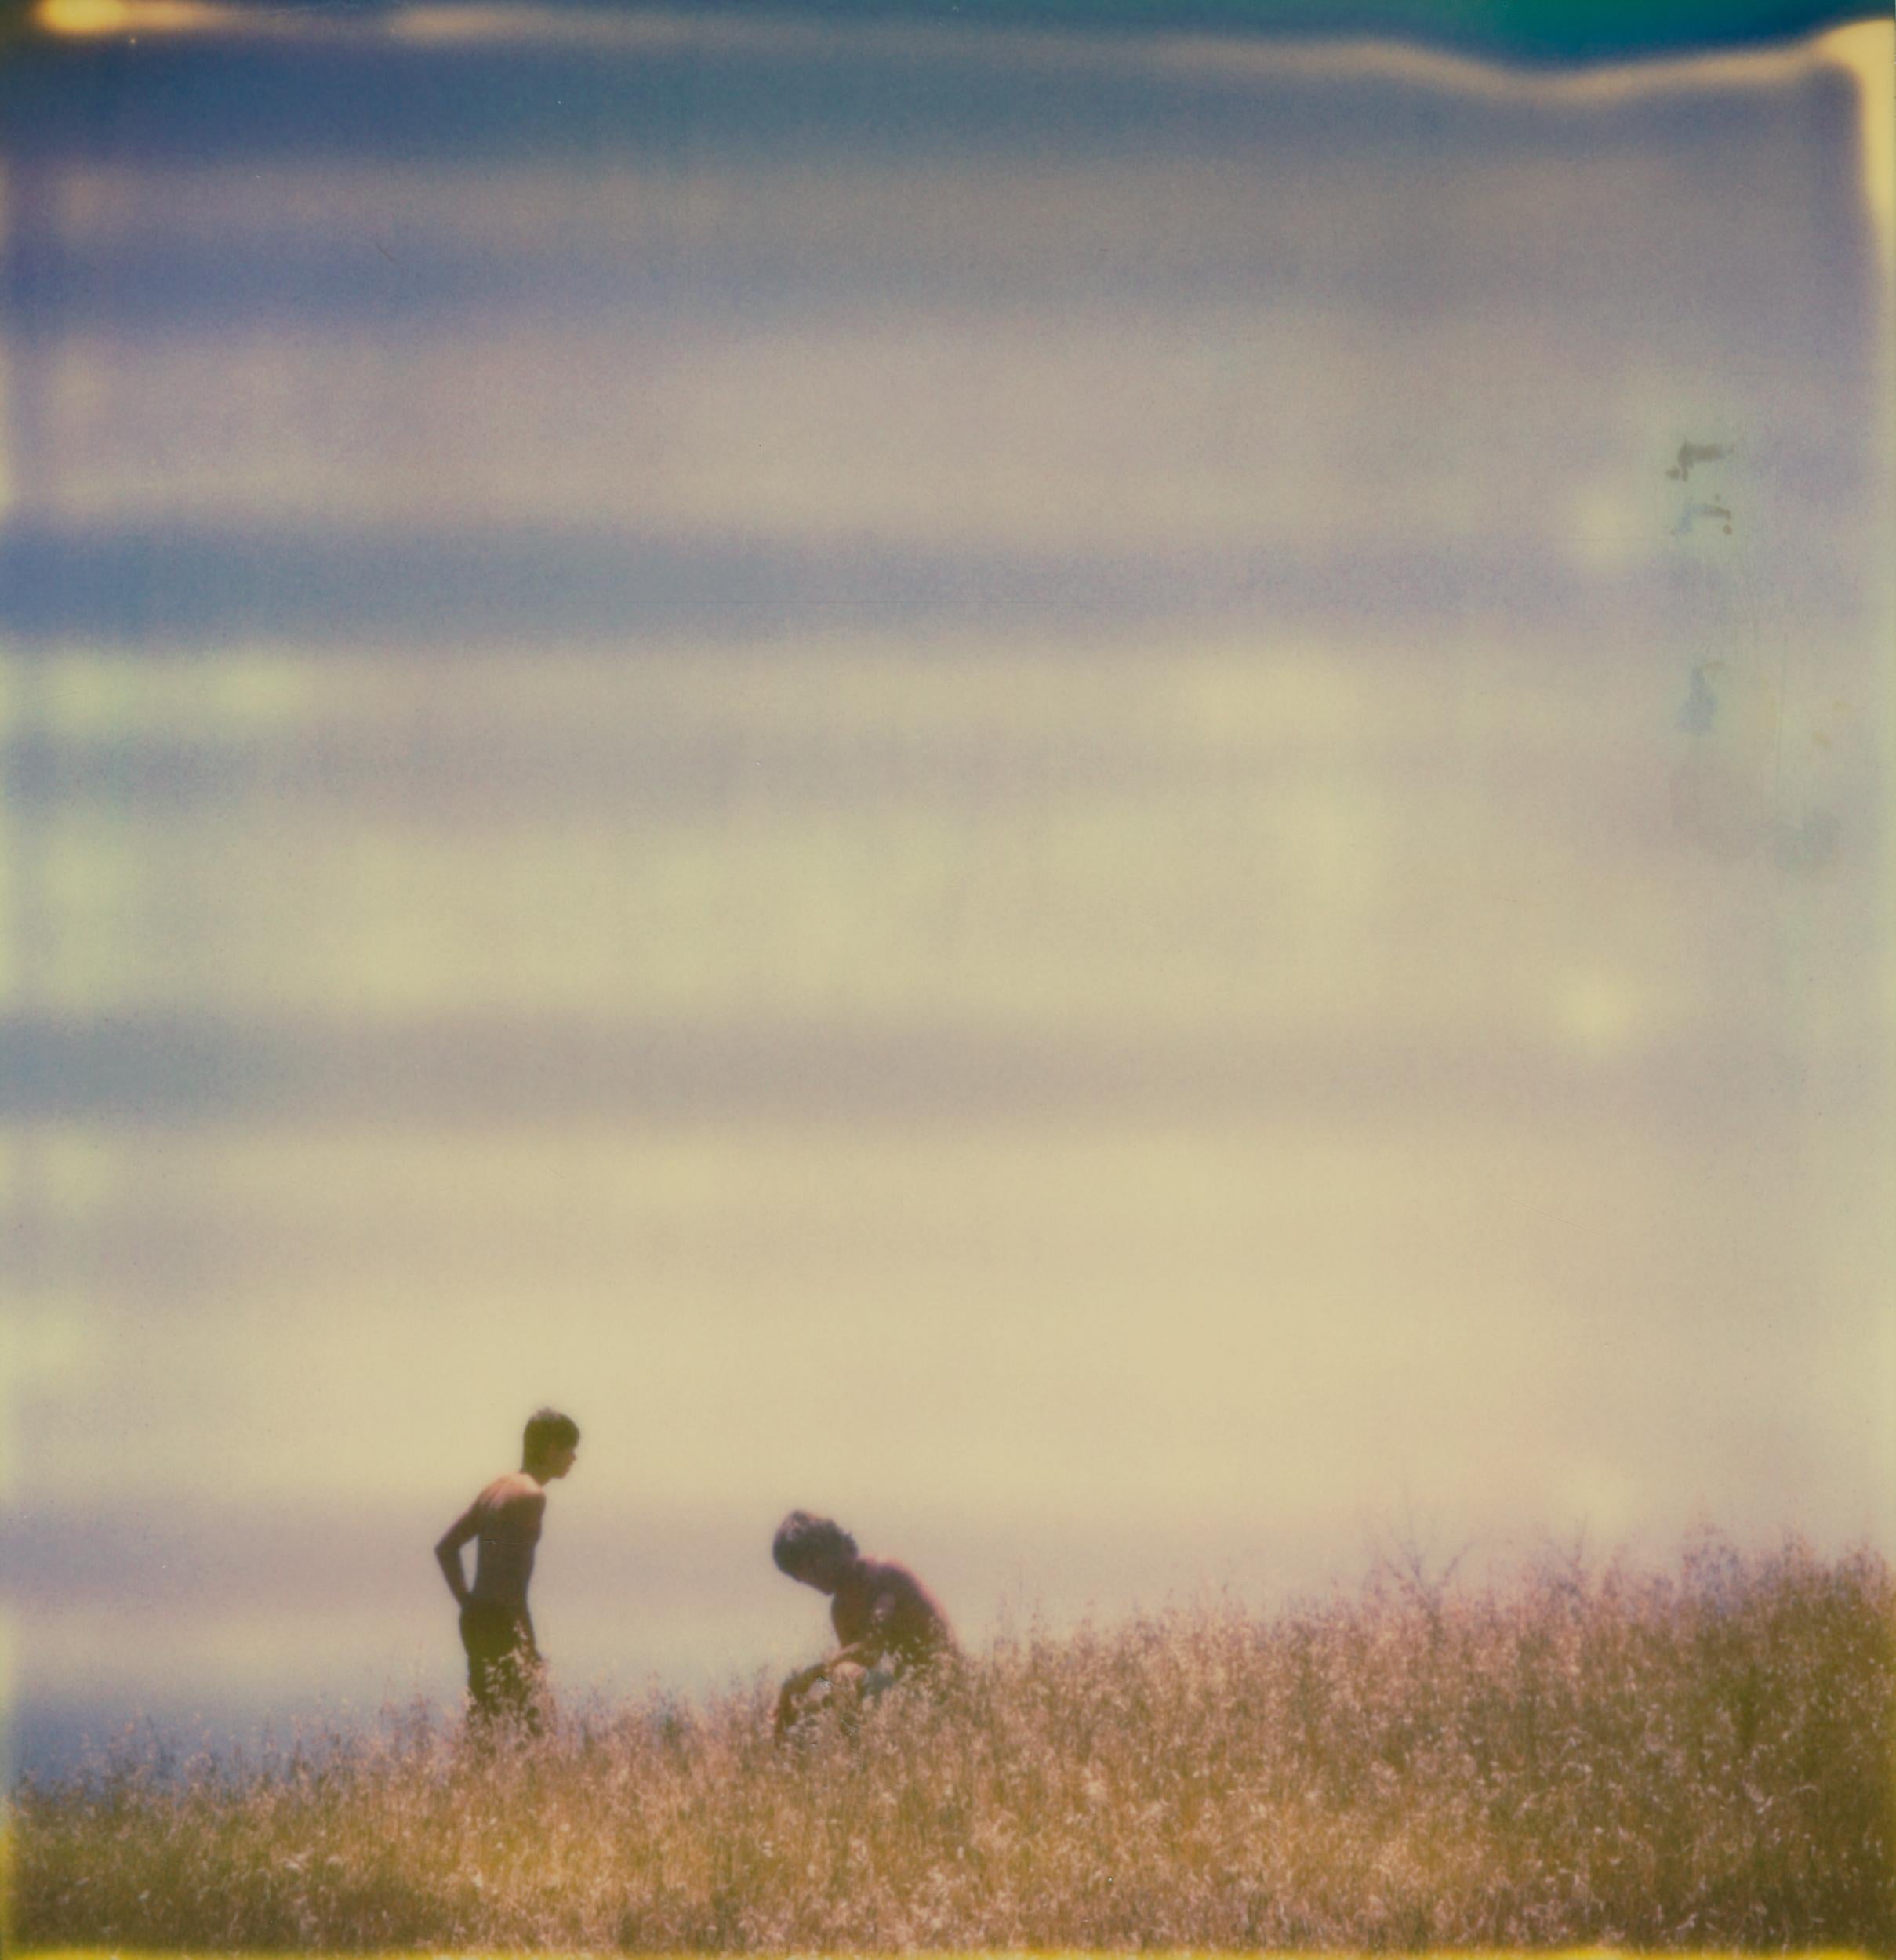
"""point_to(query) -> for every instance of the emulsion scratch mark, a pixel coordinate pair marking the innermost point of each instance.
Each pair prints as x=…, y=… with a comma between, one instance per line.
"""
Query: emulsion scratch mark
x=1701, y=708
x=1696, y=454
x=1692, y=512
x=1733, y=793
x=1692, y=452
x=1723, y=789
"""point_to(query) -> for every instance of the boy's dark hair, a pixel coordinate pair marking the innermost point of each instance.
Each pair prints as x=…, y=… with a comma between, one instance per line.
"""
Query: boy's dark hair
x=801, y=1537
x=547, y=1430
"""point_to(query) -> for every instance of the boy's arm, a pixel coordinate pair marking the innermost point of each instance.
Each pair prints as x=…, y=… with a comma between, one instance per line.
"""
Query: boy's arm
x=447, y=1553
x=869, y=1646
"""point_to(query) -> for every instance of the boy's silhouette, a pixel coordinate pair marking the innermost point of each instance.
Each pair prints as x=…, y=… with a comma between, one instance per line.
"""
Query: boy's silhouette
x=504, y=1659
x=886, y=1621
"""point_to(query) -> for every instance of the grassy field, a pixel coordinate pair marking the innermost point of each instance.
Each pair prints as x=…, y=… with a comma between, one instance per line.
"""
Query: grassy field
x=1583, y=1756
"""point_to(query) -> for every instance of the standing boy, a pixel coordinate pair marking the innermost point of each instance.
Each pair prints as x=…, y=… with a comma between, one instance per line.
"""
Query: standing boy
x=503, y=1660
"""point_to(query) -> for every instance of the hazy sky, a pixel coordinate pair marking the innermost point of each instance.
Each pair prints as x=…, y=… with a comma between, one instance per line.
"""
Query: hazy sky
x=983, y=779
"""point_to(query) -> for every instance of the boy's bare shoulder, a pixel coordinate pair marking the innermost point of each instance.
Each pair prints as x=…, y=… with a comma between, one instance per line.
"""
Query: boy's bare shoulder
x=515, y=1495
x=896, y=1584
x=892, y=1574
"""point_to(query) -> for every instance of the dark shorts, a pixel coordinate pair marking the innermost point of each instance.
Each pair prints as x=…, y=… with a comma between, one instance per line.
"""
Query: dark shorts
x=503, y=1662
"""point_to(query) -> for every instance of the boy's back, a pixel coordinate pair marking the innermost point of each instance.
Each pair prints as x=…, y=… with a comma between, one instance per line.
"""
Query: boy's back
x=507, y=1517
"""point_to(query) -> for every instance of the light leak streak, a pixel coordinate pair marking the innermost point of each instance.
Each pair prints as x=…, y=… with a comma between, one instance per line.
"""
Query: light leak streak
x=1865, y=51
x=107, y=19
x=1863, y=48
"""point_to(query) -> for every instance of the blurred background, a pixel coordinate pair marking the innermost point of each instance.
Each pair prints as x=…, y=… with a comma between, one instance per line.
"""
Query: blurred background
x=1119, y=799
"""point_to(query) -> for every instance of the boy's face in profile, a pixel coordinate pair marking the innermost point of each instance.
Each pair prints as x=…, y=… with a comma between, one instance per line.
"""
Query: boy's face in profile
x=558, y=1463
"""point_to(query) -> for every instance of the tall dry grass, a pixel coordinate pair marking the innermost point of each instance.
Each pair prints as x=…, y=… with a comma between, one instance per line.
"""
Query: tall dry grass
x=1582, y=1755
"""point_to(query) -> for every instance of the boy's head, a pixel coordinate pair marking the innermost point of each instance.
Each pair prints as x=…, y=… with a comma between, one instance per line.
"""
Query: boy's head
x=550, y=1443
x=814, y=1552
